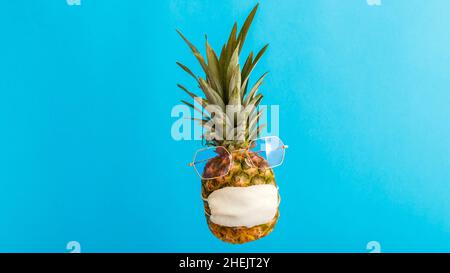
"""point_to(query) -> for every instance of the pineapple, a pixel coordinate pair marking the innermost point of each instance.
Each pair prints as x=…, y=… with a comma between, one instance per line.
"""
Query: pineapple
x=225, y=85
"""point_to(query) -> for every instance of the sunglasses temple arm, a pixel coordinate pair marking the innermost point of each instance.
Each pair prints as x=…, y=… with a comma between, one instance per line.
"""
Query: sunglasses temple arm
x=190, y=164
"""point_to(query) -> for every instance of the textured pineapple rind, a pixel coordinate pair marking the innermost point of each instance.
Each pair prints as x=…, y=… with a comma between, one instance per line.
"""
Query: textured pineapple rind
x=240, y=175
x=241, y=235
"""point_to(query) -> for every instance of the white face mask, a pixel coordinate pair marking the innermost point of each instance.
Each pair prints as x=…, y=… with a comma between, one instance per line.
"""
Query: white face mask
x=243, y=206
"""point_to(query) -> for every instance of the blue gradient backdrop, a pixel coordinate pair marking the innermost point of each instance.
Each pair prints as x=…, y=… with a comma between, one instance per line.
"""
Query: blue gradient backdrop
x=86, y=152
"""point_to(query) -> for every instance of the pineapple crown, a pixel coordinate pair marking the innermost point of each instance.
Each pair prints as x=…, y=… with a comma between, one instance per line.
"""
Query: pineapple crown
x=230, y=117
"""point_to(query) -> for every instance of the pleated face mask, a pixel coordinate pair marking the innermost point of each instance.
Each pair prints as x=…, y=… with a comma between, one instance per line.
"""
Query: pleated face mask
x=243, y=206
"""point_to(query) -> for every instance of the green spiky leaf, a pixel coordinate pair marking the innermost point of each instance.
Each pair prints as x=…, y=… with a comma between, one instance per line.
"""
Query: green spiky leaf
x=195, y=108
x=214, y=68
x=244, y=30
x=200, y=100
x=185, y=68
x=254, y=89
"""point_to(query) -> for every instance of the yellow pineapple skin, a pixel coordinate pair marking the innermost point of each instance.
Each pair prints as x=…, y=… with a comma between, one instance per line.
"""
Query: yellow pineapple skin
x=240, y=175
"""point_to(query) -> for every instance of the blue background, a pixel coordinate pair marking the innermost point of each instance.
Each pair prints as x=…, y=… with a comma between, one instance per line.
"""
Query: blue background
x=86, y=152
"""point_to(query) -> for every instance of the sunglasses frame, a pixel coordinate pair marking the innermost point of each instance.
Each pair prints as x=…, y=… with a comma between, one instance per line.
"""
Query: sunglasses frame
x=248, y=161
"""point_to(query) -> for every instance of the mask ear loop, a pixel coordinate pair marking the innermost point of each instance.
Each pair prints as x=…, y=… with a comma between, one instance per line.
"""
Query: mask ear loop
x=249, y=162
x=206, y=201
x=279, y=196
x=279, y=201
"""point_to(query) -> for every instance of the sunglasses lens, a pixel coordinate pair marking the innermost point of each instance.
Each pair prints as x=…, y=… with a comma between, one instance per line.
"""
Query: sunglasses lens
x=212, y=162
x=267, y=152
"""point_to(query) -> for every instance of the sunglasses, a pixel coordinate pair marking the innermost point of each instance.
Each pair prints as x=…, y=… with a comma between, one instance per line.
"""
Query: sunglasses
x=270, y=149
